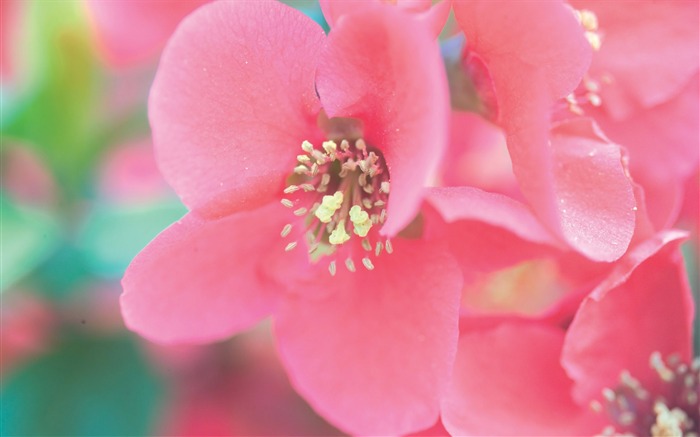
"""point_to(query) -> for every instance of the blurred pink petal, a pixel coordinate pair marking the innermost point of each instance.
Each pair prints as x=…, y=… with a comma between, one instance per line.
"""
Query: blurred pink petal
x=133, y=32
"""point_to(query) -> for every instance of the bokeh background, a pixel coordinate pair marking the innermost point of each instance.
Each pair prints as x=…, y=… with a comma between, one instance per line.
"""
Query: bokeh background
x=81, y=195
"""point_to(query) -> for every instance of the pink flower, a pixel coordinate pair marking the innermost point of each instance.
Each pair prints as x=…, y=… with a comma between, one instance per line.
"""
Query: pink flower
x=524, y=57
x=433, y=16
x=642, y=89
x=245, y=103
x=621, y=365
x=134, y=32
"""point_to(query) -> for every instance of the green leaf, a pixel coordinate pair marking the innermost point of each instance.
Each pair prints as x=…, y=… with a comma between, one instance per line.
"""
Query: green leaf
x=29, y=236
x=86, y=387
x=114, y=234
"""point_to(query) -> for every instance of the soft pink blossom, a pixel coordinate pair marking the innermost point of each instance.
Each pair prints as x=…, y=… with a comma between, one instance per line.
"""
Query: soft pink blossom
x=231, y=105
x=526, y=377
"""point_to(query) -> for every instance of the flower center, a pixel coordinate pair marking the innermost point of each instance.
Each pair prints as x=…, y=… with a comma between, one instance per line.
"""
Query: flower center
x=339, y=192
x=674, y=409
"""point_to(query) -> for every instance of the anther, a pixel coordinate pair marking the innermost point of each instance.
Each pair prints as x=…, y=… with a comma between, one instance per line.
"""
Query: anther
x=657, y=363
x=301, y=211
x=378, y=248
x=290, y=246
x=366, y=245
x=288, y=203
x=286, y=230
x=384, y=187
x=301, y=169
x=332, y=268
x=608, y=394
x=307, y=146
x=307, y=187
x=350, y=265
x=388, y=246
x=367, y=263
x=303, y=159
x=291, y=189
x=344, y=145
x=360, y=145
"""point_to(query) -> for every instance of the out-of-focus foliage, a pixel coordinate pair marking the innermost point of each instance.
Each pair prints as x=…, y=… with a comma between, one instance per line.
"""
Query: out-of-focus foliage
x=85, y=386
x=29, y=236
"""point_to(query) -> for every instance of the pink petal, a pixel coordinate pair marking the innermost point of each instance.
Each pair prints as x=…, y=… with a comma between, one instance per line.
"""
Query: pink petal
x=526, y=40
x=199, y=280
x=536, y=53
x=644, y=306
x=477, y=156
x=467, y=203
x=594, y=194
x=131, y=32
x=663, y=147
x=508, y=381
x=384, y=70
x=649, y=52
x=433, y=17
x=232, y=101
x=375, y=356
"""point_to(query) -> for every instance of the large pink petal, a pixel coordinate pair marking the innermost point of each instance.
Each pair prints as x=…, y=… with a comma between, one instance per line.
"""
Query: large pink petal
x=232, y=101
x=649, y=52
x=508, y=381
x=593, y=192
x=535, y=53
x=384, y=70
x=131, y=32
x=663, y=147
x=375, y=355
x=199, y=280
x=644, y=306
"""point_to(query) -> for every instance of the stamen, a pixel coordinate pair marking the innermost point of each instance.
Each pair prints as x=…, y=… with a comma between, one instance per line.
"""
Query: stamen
x=366, y=245
x=301, y=211
x=388, y=246
x=378, y=248
x=332, y=268
x=290, y=246
x=350, y=265
x=367, y=263
x=286, y=230
x=288, y=203
x=307, y=146
x=291, y=189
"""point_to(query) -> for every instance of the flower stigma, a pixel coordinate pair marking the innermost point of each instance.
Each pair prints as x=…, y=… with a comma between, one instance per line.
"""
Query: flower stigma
x=340, y=192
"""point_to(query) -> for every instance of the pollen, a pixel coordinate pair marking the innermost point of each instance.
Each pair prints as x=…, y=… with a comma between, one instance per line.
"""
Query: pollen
x=343, y=224
x=329, y=206
x=339, y=235
x=361, y=220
